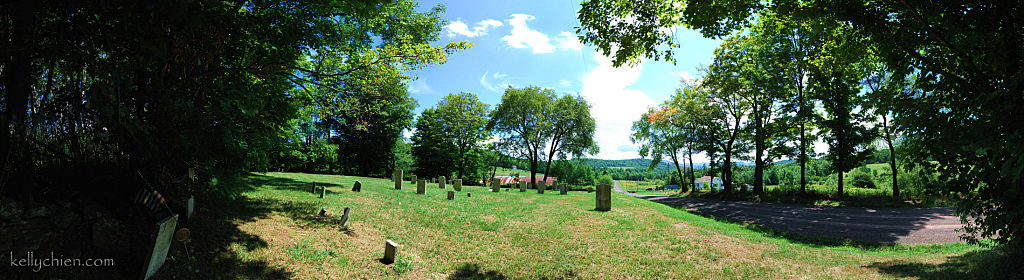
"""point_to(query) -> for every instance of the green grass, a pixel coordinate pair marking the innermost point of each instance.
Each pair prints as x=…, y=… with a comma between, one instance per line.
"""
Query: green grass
x=271, y=231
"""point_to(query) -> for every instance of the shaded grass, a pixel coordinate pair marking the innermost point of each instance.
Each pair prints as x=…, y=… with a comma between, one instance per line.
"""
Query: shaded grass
x=821, y=195
x=513, y=235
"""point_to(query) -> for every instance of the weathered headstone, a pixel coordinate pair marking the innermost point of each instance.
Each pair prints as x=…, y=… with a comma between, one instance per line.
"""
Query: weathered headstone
x=440, y=182
x=495, y=185
x=563, y=189
x=604, y=197
x=323, y=191
x=190, y=207
x=357, y=187
x=164, y=233
x=312, y=188
x=398, y=179
x=421, y=186
x=344, y=217
x=451, y=195
x=522, y=186
x=390, y=251
x=458, y=185
x=469, y=194
x=541, y=187
x=323, y=212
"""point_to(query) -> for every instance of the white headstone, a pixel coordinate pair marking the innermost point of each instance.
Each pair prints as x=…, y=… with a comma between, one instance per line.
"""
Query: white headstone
x=191, y=207
x=164, y=233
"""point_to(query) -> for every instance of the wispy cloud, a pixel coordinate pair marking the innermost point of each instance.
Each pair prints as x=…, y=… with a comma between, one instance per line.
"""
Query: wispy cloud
x=460, y=28
x=567, y=41
x=496, y=82
x=685, y=77
x=564, y=83
x=420, y=86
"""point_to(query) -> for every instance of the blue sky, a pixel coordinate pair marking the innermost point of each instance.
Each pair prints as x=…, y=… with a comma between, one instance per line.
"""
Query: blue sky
x=532, y=43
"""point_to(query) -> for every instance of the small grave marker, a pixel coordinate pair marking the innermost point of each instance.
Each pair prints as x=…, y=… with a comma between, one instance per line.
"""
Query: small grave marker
x=190, y=206
x=323, y=191
x=345, y=216
x=398, y=179
x=421, y=186
x=604, y=197
x=357, y=187
x=458, y=185
x=323, y=212
x=495, y=186
x=469, y=194
x=451, y=195
x=440, y=182
x=390, y=251
x=312, y=188
x=522, y=186
x=414, y=179
x=541, y=187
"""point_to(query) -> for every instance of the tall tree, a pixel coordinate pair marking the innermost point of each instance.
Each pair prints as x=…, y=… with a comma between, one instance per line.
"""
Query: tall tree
x=729, y=109
x=659, y=138
x=522, y=120
x=464, y=124
x=571, y=130
x=432, y=151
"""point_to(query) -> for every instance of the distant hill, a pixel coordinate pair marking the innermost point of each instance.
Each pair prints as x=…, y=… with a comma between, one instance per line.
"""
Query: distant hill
x=637, y=163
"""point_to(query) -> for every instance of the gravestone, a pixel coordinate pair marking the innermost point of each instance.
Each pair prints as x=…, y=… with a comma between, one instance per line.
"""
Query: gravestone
x=312, y=188
x=458, y=185
x=469, y=194
x=357, y=187
x=495, y=185
x=440, y=182
x=541, y=187
x=164, y=233
x=451, y=195
x=522, y=186
x=190, y=207
x=398, y=179
x=604, y=197
x=323, y=212
x=345, y=216
x=421, y=186
x=390, y=251
x=563, y=189
x=414, y=179
x=323, y=191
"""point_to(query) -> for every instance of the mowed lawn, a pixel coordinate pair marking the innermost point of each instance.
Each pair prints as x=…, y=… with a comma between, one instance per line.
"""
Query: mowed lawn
x=271, y=231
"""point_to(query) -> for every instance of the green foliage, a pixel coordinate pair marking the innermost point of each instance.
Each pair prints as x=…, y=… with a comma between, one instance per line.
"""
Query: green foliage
x=463, y=121
x=604, y=179
x=432, y=152
x=862, y=178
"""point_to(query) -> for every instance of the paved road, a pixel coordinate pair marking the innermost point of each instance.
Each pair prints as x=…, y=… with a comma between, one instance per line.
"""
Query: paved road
x=886, y=225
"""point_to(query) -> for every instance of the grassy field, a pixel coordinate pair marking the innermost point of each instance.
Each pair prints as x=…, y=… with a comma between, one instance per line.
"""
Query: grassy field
x=270, y=231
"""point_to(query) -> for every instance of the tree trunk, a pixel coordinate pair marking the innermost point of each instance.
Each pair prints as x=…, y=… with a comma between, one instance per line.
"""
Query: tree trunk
x=839, y=162
x=727, y=172
x=759, y=159
x=892, y=157
x=675, y=161
x=693, y=178
x=803, y=137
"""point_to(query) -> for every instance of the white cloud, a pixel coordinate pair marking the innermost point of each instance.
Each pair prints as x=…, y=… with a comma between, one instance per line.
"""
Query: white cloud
x=685, y=77
x=501, y=81
x=420, y=86
x=614, y=106
x=565, y=83
x=523, y=37
x=459, y=28
x=567, y=41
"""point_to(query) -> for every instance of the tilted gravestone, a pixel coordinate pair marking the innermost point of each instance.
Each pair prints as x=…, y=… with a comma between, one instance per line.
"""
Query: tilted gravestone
x=357, y=187
x=164, y=233
x=458, y=185
x=522, y=186
x=495, y=185
x=390, y=251
x=440, y=182
x=604, y=197
x=541, y=187
x=563, y=189
x=398, y=179
x=345, y=216
x=323, y=212
x=451, y=195
x=421, y=186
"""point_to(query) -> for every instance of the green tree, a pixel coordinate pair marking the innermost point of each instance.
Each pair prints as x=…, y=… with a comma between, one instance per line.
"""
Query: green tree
x=728, y=109
x=659, y=138
x=463, y=121
x=432, y=151
x=570, y=130
x=522, y=120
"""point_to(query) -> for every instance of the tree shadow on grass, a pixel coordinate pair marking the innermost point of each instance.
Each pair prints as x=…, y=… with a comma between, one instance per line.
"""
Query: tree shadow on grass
x=982, y=264
x=286, y=183
x=473, y=271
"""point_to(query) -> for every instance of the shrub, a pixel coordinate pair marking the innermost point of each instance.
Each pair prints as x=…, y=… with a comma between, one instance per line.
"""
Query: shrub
x=861, y=179
x=605, y=179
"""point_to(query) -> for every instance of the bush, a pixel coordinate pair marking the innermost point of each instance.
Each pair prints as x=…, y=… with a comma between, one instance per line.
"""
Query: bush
x=605, y=179
x=861, y=179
